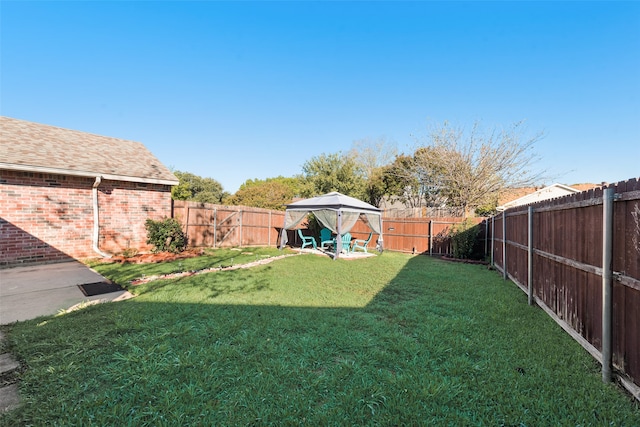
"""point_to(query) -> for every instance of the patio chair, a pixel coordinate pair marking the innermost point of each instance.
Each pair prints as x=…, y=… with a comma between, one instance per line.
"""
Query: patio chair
x=326, y=239
x=307, y=240
x=361, y=243
x=346, y=242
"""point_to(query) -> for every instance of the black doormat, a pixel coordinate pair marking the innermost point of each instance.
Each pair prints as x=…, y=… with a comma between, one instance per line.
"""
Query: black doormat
x=99, y=288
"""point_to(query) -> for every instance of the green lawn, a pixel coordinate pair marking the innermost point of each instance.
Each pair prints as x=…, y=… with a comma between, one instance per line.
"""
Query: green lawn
x=390, y=340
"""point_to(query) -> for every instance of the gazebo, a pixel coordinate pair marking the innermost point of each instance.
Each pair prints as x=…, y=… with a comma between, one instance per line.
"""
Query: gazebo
x=337, y=212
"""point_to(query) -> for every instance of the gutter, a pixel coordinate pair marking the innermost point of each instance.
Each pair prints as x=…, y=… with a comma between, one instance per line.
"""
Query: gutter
x=86, y=174
x=96, y=224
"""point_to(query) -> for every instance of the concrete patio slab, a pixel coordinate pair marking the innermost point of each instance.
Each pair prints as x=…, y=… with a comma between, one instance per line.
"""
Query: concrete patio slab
x=350, y=255
x=42, y=290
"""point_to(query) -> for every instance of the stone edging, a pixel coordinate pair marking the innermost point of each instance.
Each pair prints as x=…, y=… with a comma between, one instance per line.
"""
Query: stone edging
x=142, y=280
x=9, y=394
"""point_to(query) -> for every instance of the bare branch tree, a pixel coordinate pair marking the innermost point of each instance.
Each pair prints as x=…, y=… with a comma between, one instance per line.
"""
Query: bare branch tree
x=467, y=169
x=372, y=154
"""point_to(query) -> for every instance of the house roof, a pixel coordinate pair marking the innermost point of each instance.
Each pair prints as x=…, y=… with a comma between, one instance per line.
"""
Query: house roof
x=34, y=147
x=549, y=192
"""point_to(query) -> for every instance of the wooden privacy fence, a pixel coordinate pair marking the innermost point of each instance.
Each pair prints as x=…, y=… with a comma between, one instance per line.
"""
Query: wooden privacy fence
x=211, y=225
x=416, y=235
x=578, y=257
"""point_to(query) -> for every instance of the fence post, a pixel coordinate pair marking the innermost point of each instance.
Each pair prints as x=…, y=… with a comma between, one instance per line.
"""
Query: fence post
x=430, y=237
x=493, y=238
x=240, y=221
x=269, y=231
x=215, y=227
x=530, y=256
x=504, y=245
x=607, y=248
x=186, y=223
x=486, y=237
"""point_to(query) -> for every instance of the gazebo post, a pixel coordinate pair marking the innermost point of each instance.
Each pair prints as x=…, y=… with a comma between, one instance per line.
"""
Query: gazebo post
x=339, y=236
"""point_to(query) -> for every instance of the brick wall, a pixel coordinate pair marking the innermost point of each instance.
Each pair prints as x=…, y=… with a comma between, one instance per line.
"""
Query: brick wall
x=49, y=218
x=124, y=208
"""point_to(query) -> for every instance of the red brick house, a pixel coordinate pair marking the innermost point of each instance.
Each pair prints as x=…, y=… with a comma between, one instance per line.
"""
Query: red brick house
x=69, y=194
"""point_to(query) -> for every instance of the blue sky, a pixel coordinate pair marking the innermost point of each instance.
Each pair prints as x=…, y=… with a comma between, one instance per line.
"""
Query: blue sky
x=244, y=90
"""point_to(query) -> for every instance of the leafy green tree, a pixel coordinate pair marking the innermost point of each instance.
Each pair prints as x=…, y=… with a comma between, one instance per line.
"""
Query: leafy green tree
x=375, y=187
x=196, y=188
x=401, y=181
x=334, y=172
x=272, y=193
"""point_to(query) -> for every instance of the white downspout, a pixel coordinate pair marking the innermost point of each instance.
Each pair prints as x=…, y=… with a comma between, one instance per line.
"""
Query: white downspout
x=96, y=224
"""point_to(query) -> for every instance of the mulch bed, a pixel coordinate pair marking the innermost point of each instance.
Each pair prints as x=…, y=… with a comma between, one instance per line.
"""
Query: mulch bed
x=157, y=257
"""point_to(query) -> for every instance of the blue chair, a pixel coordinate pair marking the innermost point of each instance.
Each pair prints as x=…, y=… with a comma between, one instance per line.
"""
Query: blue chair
x=307, y=240
x=346, y=243
x=326, y=239
x=361, y=243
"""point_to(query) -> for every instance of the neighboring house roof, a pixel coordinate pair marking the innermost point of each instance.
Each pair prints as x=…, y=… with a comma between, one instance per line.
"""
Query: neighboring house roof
x=34, y=147
x=546, y=193
x=587, y=186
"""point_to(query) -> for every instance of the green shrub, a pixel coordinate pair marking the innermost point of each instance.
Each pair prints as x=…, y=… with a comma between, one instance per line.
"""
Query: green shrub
x=165, y=235
x=463, y=239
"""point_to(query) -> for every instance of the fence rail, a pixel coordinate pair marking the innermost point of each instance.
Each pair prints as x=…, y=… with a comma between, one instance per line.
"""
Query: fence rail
x=557, y=252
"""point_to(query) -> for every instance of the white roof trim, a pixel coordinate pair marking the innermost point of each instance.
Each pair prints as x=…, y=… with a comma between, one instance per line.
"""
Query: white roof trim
x=89, y=174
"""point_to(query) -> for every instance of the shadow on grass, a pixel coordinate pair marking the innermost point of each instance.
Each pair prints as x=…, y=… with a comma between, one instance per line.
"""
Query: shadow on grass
x=124, y=273
x=213, y=285
x=435, y=344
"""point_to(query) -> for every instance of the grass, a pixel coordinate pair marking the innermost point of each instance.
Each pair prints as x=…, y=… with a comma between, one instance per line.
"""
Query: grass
x=389, y=340
x=212, y=258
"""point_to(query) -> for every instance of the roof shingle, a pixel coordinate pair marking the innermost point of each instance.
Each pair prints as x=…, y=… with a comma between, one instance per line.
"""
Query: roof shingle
x=42, y=148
